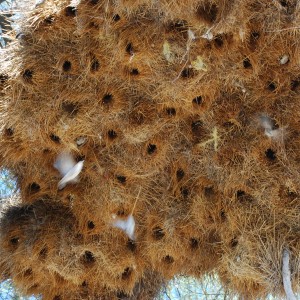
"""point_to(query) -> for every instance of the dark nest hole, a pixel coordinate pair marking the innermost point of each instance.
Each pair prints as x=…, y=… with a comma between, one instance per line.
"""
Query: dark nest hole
x=270, y=154
x=168, y=259
x=49, y=20
x=243, y=197
x=127, y=273
x=33, y=188
x=234, y=242
x=27, y=272
x=3, y=78
x=194, y=243
x=57, y=297
x=116, y=18
x=80, y=157
x=187, y=73
x=151, y=149
x=122, y=179
x=84, y=284
x=112, y=134
x=95, y=65
x=134, y=72
x=218, y=41
x=121, y=212
x=197, y=100
x=179, y=26
x=27, y=75
x=179, y=174
x=185, y=192
x=209, y=192
x=55, y=138
x=294, y=85
x=70, y=108
x=228, y=124
x=14, y=241
x=122, y=295
x=283, y=3
x=94, y=2
x=129, y=49
x=90, y=225
x=70, y=11
x=131, y=245
x=43, y=253
x=88, y=258
x=207, y=12
x=271, y=86
x=246, y=63
x=158, y=233
x=9, y=132
x=171, y=111
x=107, y=99
x=223, y=215
x=67, y=65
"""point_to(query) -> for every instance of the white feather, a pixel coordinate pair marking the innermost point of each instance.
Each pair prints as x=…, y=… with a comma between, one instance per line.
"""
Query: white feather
x=68, y=168
x=127, y=225
x=268, y=124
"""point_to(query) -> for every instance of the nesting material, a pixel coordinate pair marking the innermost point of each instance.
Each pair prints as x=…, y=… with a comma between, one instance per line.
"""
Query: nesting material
x=149, y=139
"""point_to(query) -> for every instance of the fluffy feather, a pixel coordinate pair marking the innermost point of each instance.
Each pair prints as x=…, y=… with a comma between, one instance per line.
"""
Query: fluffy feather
x=127, y=225
x=68, y=168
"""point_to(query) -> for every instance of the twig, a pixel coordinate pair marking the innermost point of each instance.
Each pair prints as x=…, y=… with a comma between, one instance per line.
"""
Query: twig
x=286, y=275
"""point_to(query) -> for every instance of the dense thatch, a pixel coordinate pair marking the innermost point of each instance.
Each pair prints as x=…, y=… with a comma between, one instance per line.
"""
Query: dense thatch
x=186, y=114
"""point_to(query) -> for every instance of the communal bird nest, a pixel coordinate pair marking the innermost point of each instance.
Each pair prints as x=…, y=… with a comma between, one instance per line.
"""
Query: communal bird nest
x=149, y=139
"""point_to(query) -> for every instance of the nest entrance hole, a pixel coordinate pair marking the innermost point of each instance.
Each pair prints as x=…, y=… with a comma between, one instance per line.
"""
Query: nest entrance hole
x=151, y=149
x=90, y=225
x=88, y=258
x=67, y=65
x=168, y=259
x=270, y=154
x=158, y=233
x=70, y=11
x=127, y=273
x=33, y=188
x=194, y=243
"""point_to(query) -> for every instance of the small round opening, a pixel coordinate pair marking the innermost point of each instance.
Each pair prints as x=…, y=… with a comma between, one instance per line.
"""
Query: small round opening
x=95, y=65
x=116, y=18
x=158, y=233
x=223, y=215
x=234, y=242
x=55, y=138
x=294, y=84
x=107, y=99
x=197, y=100
x=27, y=75
x=187, y=73
x=67, y=65
x=184, y=192
x=271, y=86
x=171, y=111
x=43, y=253
x=34, y=188
x=49, y=20
x=131, y=245
x=28, y=272
x=168, y=259
x=127, y=273
x=3, y=78
x=112, y=134
x=70, y=108
x=218, y=41
x=70, y=11
x=129, y=49
x=246, y=63
x=134, y=72
x=194, y=243
x=57, y=297
x=121, y=178
x=94, y=2
x=122, y=295
x=284, y=3
x=88, y=258
x=14, y=241
x=90, y=225
x=9, y=132
x=270, y=154
x=254, y=36
x=179, y=174
x=151, y=149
